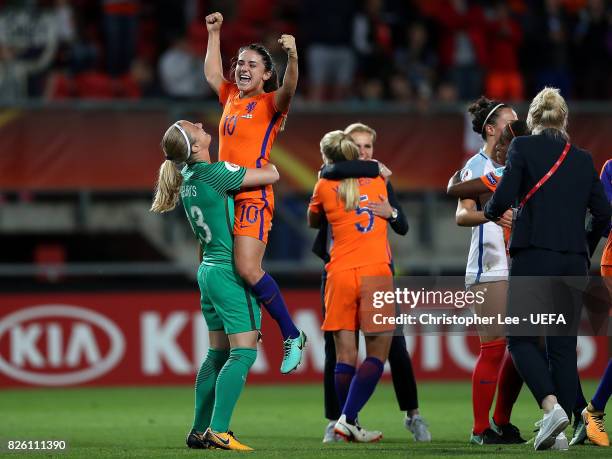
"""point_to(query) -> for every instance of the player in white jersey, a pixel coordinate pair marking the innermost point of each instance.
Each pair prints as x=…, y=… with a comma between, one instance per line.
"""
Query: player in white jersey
x=487, y=257
x=487, y=271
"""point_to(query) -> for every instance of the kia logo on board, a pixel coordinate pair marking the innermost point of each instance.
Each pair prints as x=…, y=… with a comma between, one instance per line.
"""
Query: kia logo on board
x=56, y=345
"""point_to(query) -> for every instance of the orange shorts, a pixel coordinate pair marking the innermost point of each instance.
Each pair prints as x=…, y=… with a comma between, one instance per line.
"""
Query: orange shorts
x=253, y=217
x=348, y=299
x=606, y=270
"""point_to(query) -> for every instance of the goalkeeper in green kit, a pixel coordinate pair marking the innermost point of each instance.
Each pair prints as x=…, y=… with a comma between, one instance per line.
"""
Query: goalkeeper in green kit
x=230, y=310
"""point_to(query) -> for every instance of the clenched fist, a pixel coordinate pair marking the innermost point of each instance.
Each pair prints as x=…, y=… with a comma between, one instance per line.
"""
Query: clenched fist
x=213, y=22
x=288, y=44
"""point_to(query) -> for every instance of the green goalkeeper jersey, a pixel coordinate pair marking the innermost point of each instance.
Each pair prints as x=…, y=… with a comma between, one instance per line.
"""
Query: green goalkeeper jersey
x=210, y=208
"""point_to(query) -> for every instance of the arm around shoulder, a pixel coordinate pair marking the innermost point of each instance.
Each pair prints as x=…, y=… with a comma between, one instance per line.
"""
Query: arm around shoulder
x=266, y=175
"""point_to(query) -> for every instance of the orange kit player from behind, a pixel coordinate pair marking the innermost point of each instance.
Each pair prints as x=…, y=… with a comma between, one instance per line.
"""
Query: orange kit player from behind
x=254, y=109
x=359, y=250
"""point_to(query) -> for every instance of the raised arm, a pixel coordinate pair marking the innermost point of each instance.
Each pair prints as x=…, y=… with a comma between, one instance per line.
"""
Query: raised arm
x=283, y=95
x=266, y=175
x=213, y=66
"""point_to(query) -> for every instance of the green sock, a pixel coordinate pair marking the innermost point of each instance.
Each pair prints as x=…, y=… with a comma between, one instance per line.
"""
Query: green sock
x=230, y=382
x=205, y=387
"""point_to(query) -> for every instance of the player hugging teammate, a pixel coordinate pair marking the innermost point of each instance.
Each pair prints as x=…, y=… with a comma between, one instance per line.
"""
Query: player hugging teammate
x=254, y=109
x=487, y=271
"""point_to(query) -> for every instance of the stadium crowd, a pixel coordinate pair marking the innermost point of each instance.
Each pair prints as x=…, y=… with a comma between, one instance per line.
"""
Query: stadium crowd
x=369, y=50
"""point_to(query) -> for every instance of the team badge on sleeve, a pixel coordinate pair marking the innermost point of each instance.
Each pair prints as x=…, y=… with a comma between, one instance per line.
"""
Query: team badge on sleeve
x=491, y=179
x=231, y=166
x=466, y=174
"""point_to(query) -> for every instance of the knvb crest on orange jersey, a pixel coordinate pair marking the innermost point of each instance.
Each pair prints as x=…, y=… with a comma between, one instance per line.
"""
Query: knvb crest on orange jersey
x=249, y=108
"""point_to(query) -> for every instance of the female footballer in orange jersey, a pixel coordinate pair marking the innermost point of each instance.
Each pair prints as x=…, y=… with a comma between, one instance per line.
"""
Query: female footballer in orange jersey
x=360, y=249
x=254, y=110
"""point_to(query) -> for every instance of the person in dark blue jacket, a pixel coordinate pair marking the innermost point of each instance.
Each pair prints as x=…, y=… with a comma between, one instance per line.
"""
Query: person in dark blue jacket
x=556, y=184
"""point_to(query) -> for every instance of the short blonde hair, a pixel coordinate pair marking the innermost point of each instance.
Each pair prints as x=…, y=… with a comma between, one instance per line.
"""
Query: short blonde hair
x=360, y=127
x=548, y=109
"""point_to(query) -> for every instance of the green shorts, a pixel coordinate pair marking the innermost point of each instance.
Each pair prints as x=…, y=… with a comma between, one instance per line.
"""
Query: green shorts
x=227, y=303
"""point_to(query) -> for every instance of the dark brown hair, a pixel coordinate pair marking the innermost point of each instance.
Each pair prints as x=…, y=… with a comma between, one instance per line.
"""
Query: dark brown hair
x=480, y=109
x=271, y=84
x=514, y=129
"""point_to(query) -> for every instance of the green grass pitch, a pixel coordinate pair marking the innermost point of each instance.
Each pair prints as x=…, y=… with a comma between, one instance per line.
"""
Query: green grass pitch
x=278, y=421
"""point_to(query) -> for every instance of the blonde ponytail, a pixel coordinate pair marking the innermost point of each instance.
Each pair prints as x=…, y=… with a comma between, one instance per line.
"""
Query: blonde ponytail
x=337, y=146
x=349, y=193
x=176, y=145
x=167, y=189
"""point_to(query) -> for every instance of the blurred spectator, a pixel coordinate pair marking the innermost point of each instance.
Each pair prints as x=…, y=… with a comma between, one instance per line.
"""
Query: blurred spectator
x=400, y=50
x=330, y=58
x=92, y=85
x=399, y=88
x=64, y=17
x=398, y=14
x=593, y=51
x=181, y=71
x=246, y=23
x=373, y=42
x=171, y=20
x=120, y=18
x=548, y=47
x=462, y=45
x=28, y=44
x=143, y=75
x=503, y=80
x=78, y=49
x=417, y=61
x=279, y=57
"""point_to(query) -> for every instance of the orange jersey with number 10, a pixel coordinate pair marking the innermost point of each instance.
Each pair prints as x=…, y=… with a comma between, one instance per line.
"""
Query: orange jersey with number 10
x=247, y=131
x=358, y=238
